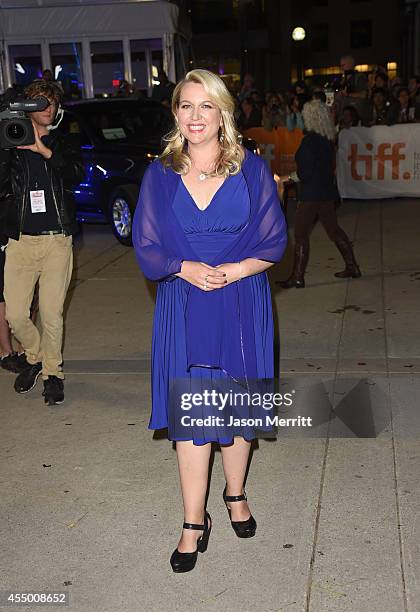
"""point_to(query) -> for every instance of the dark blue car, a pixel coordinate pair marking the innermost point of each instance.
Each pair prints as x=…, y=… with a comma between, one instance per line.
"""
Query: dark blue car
x=118, y=139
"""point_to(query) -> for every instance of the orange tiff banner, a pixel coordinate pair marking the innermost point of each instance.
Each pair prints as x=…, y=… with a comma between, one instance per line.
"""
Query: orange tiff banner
x=278, y=147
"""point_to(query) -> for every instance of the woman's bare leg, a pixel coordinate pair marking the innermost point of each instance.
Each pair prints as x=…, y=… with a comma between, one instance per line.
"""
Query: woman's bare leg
x=193, y=464
x=235, y=461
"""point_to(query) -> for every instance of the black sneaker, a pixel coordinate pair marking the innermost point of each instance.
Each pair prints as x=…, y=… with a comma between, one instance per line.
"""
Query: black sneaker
x=22, y=362
x=10, y=363
x=53, y=391
x=27, y=379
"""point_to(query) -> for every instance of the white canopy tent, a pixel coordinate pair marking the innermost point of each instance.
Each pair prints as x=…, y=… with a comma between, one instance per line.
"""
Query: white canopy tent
x=133, y=28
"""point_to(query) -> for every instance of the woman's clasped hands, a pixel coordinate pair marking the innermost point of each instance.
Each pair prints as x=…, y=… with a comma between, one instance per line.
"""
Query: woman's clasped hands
x=208, y=278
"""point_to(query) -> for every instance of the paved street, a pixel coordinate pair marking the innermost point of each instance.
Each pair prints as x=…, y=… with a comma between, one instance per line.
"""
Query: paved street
x=90, y=501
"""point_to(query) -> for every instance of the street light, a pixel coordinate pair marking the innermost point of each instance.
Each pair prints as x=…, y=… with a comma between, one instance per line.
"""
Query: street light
x=298, y=35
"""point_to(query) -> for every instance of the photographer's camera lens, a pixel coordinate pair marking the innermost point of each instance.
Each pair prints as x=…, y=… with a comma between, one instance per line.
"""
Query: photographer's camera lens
x=15, y=131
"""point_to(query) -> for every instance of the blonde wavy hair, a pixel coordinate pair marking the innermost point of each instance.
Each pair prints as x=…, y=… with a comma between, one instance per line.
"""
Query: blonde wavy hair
x=317, y=118
x=231, y=155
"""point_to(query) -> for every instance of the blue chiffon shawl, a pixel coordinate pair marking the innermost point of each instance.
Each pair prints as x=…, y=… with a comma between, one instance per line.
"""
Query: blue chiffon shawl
x=218, y=324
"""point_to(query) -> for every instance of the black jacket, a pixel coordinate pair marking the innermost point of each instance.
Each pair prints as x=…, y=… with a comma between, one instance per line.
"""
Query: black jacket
x=65, y=170
x=397, y=116
x=378, y=117
x=315, y=167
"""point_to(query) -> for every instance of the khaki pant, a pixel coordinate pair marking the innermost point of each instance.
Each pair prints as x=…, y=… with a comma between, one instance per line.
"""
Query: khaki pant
x=47, y=259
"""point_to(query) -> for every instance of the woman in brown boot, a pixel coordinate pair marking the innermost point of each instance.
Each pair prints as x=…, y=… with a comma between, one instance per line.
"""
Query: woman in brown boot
x=315, y=165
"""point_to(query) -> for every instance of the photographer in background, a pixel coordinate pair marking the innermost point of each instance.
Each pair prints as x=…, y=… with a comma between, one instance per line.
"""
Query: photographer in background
x=39, y=221
x=250, y=114
x=294, y=119
x=274, y=112
x=353, y=88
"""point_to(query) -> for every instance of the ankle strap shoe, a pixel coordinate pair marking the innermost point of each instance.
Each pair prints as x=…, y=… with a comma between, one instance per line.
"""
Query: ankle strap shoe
x=185, y=562
x=243, y=529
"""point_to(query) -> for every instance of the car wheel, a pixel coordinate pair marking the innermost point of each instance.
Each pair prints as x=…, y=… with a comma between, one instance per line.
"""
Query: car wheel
x=121, y=212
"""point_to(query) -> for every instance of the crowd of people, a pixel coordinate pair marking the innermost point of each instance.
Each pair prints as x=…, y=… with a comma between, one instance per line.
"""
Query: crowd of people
x=356, y=98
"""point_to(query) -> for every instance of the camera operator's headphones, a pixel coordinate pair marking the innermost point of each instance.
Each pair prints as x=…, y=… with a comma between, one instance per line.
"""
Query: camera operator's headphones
x=57, y=119
x=59, y=113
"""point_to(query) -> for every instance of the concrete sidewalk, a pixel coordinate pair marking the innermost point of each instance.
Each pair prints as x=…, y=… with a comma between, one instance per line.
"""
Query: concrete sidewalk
x=90, y=502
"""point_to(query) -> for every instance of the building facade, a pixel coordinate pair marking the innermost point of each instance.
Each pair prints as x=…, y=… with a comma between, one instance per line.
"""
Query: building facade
x=369, y=30
x=411, y=37
x=237, y=36
x=91, y=45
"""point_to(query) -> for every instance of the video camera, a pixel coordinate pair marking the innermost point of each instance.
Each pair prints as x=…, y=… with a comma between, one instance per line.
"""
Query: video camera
x=15, y=128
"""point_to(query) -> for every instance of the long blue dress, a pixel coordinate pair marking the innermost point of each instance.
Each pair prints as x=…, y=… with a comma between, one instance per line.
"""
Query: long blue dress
x=208, y=231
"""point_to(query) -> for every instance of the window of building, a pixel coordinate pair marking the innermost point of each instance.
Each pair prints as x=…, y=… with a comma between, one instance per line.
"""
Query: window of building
x=25, y=63
x=255, y=17
x=66, y=66
x=157, y=62
x=361, y=34
x=139, y=69
x=213, y=15
x=224, y=15
x=107, y=66
x=319, y=37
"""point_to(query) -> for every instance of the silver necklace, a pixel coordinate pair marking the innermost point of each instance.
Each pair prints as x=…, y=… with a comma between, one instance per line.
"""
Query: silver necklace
x=203, y=175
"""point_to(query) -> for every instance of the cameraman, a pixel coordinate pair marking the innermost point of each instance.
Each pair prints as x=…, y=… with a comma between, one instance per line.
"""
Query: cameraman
x=353, y=88
x=39, y=224
x=274, y=112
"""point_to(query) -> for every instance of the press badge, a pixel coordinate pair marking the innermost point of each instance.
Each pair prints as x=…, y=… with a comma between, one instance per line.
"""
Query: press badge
x=38, y=201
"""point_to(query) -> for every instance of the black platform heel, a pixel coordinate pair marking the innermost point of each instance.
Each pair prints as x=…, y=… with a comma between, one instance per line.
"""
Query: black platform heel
x=185, y=561
x=243, y=529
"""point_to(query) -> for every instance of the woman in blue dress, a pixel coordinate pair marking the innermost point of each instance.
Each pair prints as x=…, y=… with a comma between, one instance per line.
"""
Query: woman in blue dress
x=207, y=226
